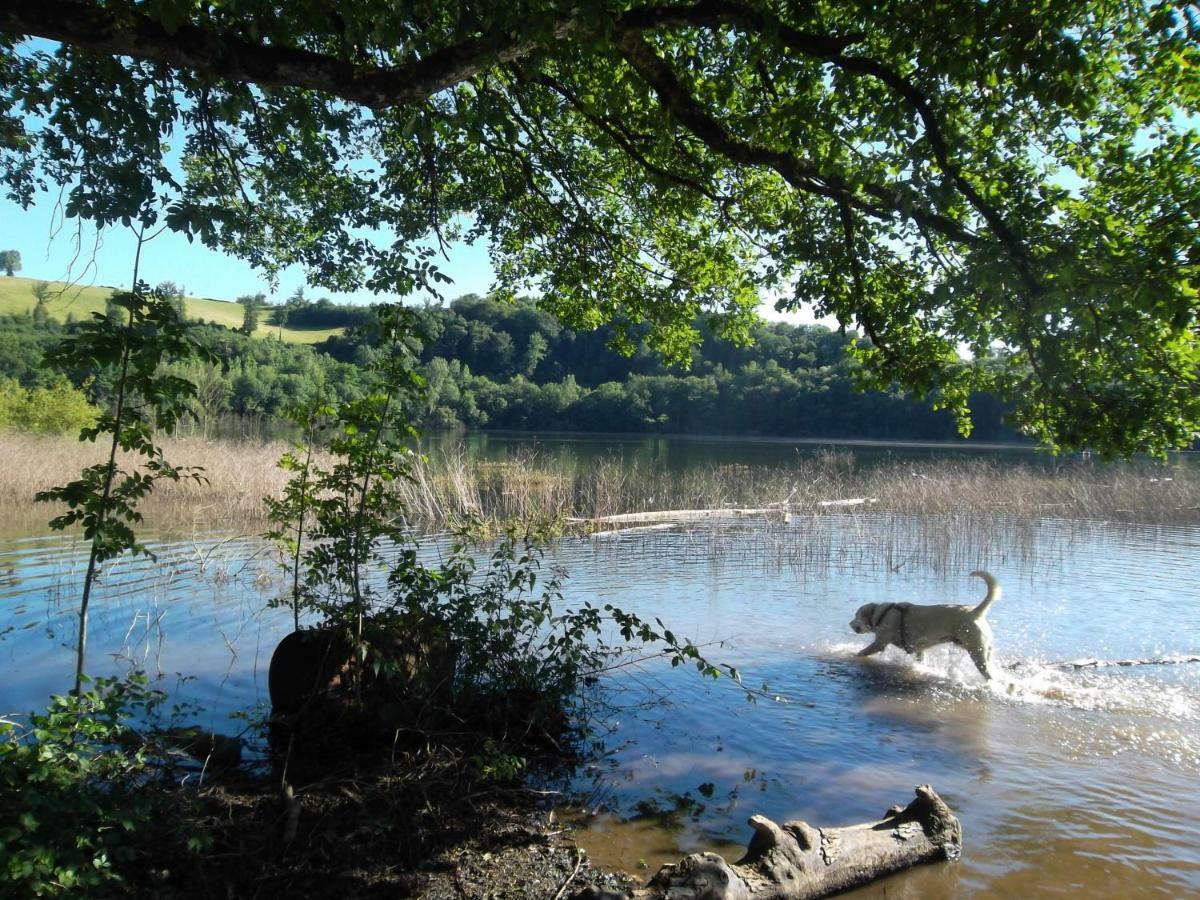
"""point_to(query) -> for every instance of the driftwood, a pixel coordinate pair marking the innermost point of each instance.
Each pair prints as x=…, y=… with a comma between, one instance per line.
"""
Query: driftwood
x=854, y=501
x=778, y=511
x=794, y=861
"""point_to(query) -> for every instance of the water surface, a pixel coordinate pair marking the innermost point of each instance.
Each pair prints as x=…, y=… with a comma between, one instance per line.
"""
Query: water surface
x=1069, y=782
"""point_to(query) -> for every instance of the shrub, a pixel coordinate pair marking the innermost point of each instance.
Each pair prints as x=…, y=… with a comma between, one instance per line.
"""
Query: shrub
x=70, y=791
x=54, y=409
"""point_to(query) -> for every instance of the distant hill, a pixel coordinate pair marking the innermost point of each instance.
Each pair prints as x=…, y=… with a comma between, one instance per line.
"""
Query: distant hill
x=16, y=296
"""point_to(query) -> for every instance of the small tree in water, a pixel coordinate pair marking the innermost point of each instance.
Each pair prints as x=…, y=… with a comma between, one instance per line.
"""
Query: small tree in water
x=104, y=498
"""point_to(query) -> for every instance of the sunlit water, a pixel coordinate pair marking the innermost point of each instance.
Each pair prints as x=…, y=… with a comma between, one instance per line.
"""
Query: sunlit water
x=1075, y=782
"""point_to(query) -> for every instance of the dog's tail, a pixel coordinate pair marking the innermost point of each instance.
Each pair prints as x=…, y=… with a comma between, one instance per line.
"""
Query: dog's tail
x=993, y=593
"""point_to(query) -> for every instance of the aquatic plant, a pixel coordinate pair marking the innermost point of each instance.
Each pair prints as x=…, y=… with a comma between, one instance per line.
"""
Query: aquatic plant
x=539, y=486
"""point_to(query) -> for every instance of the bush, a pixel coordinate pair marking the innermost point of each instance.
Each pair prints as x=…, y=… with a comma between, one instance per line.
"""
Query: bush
x=70, y=791
x=55, y=409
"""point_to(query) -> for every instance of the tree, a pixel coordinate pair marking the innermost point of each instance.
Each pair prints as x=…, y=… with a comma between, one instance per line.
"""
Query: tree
x=535, y=352
x=251, y=303
x=105, y=497
x=175, y=294
x=945, y=174
x=10, y=261
x=41, y=292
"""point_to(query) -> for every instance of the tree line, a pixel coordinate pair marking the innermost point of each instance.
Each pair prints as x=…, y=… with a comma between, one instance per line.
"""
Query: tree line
x=492, y=364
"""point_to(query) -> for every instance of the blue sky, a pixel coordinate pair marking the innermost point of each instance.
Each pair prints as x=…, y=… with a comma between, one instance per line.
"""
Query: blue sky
x=49, y=252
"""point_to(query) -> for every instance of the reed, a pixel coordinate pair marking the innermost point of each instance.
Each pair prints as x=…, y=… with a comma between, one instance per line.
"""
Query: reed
x=239, y=475
x=534, y=486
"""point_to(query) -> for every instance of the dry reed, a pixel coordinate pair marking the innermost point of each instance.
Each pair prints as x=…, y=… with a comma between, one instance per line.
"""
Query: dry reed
x=531, y=486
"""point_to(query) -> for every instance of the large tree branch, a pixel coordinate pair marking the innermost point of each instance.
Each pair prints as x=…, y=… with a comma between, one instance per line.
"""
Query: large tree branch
x=625, y=144
x=832, y=50
x=224, y=55
x=227, y=55
x=711, y=13
x=879, y=201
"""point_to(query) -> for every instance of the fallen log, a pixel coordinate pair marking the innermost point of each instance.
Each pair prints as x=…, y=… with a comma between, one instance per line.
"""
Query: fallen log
x=687, y=515
x=796, y=861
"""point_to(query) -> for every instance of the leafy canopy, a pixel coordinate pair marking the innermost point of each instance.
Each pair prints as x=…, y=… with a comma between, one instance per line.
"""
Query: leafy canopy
x=1020, y=177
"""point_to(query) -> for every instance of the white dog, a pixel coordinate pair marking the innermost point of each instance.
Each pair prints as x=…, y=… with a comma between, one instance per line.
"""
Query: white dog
x=914, y=629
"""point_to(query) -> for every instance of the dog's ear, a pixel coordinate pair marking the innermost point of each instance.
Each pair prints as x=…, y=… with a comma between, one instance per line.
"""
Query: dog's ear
x=865, y=611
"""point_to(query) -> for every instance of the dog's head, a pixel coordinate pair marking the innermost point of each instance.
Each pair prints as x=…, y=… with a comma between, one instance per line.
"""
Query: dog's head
x=861, y=623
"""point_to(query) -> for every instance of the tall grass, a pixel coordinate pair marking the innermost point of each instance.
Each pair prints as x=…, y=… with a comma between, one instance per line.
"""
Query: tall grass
x=528, y=486
x=531, y=485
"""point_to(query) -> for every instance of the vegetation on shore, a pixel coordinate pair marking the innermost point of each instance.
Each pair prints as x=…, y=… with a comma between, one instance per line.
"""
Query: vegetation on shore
x=467, y=669
x=489, y=364
x=533, y=486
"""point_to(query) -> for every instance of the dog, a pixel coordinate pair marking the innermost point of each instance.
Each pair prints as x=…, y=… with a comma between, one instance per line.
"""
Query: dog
x=914, y=628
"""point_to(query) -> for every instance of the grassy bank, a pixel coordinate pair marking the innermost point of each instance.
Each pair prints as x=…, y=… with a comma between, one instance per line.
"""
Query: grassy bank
x=537, y=486
x=17, y=298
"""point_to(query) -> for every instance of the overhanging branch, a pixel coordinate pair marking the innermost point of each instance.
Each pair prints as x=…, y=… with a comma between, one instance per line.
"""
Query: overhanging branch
x=879, y=201
x=219, y=54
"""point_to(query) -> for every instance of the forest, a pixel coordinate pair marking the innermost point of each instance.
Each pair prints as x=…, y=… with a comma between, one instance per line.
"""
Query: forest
x=494, y=364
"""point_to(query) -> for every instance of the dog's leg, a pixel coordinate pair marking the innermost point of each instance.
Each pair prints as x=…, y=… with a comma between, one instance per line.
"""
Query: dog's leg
x=918, y=655
x=875, y=646
x=982, y=657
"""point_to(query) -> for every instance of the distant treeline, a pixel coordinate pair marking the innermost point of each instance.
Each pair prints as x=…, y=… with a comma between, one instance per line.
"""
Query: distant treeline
x=500, y=365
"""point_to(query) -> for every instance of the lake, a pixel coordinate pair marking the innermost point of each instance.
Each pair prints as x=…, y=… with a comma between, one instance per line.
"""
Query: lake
x=1074, y=781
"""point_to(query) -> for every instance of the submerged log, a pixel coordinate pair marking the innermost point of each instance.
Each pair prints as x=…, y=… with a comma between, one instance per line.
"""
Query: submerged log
x=796, y=861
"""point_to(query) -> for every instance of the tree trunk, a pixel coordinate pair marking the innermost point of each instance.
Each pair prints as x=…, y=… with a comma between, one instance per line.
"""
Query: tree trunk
x=795, y=861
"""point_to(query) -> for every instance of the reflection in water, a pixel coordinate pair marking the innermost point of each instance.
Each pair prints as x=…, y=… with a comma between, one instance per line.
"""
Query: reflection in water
x=1075, y=782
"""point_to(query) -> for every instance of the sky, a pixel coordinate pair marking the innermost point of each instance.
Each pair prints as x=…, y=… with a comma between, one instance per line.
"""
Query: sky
x=52, y=250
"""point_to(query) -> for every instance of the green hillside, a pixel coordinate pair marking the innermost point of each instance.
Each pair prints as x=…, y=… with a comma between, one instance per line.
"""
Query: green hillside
x=16, y=296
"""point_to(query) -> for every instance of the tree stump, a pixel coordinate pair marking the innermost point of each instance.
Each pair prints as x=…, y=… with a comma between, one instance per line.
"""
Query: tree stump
x=326, y=699
x=796, y=861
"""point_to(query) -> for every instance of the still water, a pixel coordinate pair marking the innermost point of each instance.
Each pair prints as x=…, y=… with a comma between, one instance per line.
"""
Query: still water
x=1070, y=782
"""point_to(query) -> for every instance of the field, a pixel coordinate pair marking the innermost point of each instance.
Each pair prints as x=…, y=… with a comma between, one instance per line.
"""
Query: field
x=16, y=296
